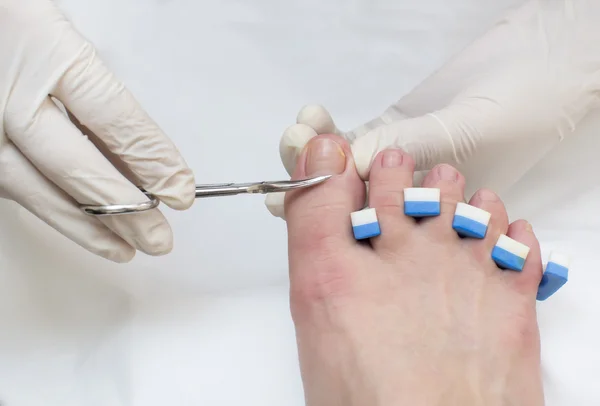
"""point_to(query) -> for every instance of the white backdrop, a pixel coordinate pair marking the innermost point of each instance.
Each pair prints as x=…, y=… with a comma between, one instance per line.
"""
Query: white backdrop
x=209, y=324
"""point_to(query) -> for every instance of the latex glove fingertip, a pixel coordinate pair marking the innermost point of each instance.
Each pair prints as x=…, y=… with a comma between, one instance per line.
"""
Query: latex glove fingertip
x=275, y=204
x=178, y=191
x=292, y=143
x=364, y=151
x=318, y=118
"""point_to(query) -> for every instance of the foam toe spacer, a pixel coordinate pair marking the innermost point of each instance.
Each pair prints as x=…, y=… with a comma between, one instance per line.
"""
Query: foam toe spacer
x=365, y=224
x=470, y=221
x=510, y=254
x=555, y=276
x=421, y=202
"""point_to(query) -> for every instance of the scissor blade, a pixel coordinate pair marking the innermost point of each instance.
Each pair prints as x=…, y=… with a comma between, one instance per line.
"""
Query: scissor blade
x=231, y=189
x=285, y=185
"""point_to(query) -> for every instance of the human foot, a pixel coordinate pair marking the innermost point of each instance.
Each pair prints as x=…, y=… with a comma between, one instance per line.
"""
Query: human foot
x=419, y=316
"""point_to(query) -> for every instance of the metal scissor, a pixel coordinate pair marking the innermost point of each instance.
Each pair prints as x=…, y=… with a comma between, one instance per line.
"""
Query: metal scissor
x=210, y=190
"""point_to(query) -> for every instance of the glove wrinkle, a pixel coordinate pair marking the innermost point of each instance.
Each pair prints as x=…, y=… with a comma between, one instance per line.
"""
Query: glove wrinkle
x=454, y=150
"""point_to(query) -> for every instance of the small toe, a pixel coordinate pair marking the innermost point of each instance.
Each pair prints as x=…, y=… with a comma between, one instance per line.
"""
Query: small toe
x=528, y=280
x=556, y=275
x=452, y=188
x=497, y=224
x=391, y=172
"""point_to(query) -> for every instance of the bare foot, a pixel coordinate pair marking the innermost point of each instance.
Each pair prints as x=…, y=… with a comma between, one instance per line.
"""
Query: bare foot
x=419, y=316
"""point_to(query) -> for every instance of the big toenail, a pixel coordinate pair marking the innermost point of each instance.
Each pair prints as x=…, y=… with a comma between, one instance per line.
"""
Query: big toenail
x=325, y=157
x=446, y=172
x=392, y=158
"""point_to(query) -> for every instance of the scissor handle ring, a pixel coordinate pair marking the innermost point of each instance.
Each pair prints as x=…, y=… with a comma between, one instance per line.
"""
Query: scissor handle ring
x=120, y=209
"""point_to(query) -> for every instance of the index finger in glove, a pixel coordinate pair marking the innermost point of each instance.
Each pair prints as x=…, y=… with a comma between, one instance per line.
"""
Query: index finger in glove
x=67, y=158
x=104, y=105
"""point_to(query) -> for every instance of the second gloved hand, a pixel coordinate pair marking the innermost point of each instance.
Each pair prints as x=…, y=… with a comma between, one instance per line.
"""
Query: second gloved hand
x=49, y=164
x=494, y=110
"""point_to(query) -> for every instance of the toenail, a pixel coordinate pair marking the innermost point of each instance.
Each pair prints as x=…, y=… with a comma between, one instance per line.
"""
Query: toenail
x=487, y=195
x=446, y=172
x=325, y=157
x=392, y=158
x=529, y=227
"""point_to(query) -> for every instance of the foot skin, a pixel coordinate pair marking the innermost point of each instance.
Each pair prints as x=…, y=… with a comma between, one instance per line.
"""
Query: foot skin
x=419, y=316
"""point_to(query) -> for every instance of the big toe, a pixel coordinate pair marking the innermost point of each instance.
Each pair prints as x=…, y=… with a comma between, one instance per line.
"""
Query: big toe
x=318, y=218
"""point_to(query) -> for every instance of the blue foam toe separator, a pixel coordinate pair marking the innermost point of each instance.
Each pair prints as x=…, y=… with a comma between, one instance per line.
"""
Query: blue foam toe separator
x=366, y=231
x=554, y=278
x=507, y=260
x=467, y=227
x=422, y=209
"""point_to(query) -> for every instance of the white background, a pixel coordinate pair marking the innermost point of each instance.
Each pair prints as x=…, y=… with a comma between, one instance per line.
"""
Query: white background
x=209, y=324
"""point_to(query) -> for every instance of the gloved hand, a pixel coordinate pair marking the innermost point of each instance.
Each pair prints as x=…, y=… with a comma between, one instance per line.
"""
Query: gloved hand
x=48, y=166
x=494, y=110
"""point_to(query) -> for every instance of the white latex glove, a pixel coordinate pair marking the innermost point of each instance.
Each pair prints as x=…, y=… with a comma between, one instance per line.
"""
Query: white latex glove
x=493, y=111
x=47, y=165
